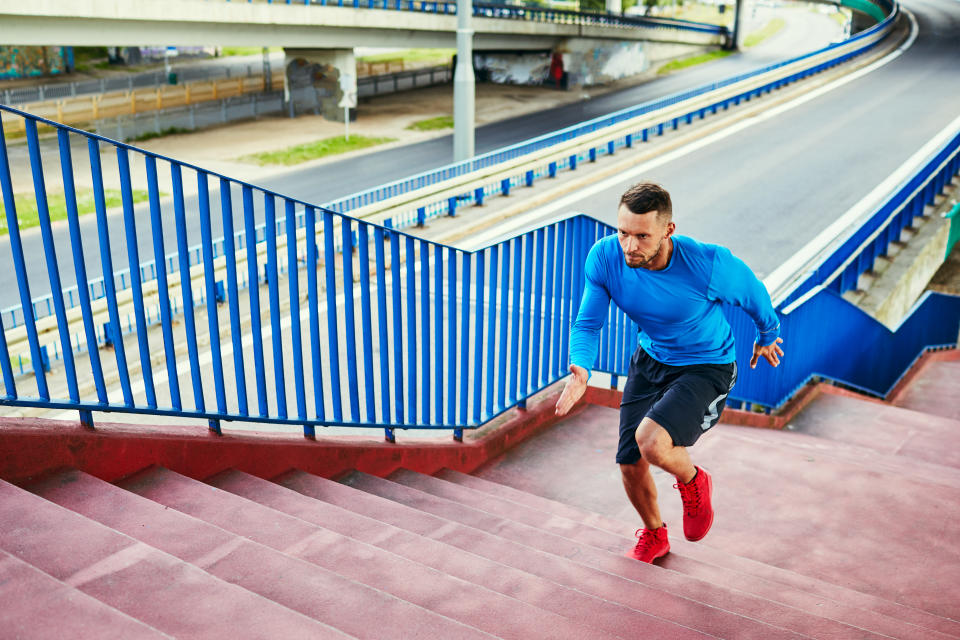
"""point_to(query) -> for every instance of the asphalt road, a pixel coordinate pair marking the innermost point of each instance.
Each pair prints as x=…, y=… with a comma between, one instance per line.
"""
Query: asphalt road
x=816, y=161
x=771, y=188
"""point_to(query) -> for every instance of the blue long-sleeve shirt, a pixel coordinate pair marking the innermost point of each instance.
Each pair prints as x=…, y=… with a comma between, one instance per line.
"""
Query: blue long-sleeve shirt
x=678, y=308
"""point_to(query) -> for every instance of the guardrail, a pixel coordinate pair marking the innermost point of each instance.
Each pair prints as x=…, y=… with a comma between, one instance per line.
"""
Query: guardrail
x=505, y=168
x=711, y=98
x=511, y=12
x=402, y=332
x=460, y=336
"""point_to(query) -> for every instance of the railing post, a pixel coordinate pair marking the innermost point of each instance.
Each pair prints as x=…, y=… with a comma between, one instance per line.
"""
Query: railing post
x=86, y=418
x=214, y=426
x=458, y=435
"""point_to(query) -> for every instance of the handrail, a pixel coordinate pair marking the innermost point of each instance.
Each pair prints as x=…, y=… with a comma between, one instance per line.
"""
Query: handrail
x=375, y=327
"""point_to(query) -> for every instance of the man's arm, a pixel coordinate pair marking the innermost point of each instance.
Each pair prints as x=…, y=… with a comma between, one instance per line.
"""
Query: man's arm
x=732, y=281
x=585, y=332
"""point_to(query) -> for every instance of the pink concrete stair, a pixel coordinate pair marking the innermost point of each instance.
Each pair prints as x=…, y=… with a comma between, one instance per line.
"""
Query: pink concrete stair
x=678, y=561
x=934, y=390
x=161, y=591
x=306, y=588
x=446, y=595
x=37, y=594
x=786, y=582
x=601, y=552
x=503, y=578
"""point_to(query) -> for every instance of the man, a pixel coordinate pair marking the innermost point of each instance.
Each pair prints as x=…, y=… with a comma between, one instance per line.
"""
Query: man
x=685, y=364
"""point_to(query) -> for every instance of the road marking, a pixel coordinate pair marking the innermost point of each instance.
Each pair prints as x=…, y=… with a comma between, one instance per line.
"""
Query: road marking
x=527, y=219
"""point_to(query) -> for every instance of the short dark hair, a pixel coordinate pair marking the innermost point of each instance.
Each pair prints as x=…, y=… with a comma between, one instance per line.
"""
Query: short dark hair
x=648, y=196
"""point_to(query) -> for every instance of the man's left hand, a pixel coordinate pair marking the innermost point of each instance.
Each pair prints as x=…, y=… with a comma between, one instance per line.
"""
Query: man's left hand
x=772, y=352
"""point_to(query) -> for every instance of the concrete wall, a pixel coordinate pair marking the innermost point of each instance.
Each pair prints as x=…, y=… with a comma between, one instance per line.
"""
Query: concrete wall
x=586, y=61
x=316, y=80
x=24, y=62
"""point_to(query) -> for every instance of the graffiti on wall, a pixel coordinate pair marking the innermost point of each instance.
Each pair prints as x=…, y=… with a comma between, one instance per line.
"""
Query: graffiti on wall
x=25, y=62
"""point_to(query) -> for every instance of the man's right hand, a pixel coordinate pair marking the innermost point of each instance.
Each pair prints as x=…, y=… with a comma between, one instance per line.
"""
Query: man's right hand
x=573, y=390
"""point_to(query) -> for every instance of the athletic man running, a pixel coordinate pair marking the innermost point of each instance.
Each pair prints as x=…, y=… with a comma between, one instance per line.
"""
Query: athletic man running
x=685, y=364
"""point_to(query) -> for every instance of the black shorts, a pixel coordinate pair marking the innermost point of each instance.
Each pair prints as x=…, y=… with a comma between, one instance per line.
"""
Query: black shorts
x=685, y=400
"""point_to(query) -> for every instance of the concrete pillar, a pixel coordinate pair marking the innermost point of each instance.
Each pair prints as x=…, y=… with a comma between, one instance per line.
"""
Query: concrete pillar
x=317, y=80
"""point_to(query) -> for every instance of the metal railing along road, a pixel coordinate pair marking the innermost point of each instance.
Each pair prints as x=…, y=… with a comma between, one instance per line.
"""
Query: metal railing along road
x=511, y=12
x=799, y=67
x=360, y=324
x=388, y=330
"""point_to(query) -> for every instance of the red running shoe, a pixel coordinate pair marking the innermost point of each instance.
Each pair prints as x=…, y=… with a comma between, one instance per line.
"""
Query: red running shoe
x=697, y=507
x=651, y=544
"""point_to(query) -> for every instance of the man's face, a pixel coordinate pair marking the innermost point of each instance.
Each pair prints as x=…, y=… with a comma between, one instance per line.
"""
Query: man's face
x=641, y=237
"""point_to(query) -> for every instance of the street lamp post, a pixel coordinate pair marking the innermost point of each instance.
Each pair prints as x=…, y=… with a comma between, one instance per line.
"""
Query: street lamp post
x=463, y=85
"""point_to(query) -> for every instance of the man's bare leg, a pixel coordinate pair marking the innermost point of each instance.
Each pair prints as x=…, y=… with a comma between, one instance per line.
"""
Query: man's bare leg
x=642, y=492
x=657, y=448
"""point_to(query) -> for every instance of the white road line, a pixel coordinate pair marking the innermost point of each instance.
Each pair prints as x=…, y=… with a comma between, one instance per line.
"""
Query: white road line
x=568, y=201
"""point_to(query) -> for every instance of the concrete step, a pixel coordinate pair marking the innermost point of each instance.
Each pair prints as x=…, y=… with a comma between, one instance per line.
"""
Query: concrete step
x=829, y=510
x=161, y=591
x=459, y=600
x=892, y=430
x=935, y=389
x=29, y=596
x=631, y=593
x=676, y=561
x=504, y=579
x=676, y=584
x=762, y=572
x=311, y=590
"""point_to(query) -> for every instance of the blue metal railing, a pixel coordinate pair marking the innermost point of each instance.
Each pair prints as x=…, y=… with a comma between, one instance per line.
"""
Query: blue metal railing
x=446, y=205
x=397, y=326
x=859, y=250
x=401, y=332
x=867, y=38
x=513, y=12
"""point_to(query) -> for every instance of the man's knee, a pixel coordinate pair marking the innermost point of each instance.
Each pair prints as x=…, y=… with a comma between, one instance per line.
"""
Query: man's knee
x=653, y=440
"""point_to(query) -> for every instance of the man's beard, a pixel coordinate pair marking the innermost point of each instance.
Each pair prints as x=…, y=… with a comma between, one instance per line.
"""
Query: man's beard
x=644, y=264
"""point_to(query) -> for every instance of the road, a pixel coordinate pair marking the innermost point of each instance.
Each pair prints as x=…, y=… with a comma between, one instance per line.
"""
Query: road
x=771, y=188
x=335, y=180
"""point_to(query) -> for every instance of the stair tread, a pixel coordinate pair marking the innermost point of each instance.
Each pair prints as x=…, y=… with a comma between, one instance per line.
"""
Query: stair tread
x=677, y=561
x=471, y=604
x=717, y=557
x=635, y=594
x=935, y=388
x=500, y=577
x=164, y=592
x=311, y=590
x=770, y=489
x=885, y=428
x=29, y=595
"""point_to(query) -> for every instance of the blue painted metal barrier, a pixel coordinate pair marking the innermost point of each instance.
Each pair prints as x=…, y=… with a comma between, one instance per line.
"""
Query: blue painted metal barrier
x=858, y=44
x=400, y=332
x=512, y=12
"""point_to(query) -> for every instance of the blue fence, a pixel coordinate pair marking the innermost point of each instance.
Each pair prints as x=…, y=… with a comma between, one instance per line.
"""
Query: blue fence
x=359, y=324
x=42, y=306
x=858, y=44
x=513, y=12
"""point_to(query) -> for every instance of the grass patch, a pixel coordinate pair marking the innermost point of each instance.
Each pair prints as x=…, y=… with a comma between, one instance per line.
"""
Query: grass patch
x=313, y=150
x=28, y=216
x=676, y=65
x=150, y=135
x=412, y=55
x=772, y=28
x=432, y=124
x=226, y=52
